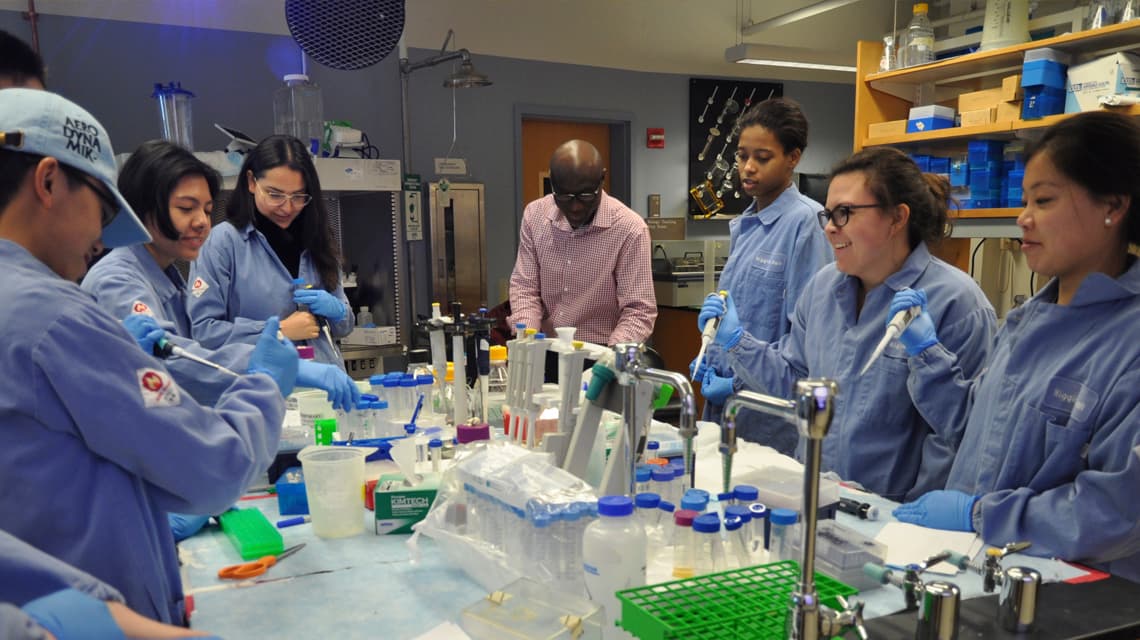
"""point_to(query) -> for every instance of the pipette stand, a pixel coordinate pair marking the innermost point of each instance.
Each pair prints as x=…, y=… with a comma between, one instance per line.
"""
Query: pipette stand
x=571, y=358
x=601, y=395
x=458, y=330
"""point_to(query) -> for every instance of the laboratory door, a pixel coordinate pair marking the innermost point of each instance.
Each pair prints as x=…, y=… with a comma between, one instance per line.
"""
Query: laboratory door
x=540, y=137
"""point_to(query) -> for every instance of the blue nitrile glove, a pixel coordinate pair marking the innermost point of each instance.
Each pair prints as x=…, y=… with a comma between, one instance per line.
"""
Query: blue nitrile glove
x=709, y=312
x=342, y=391
x=715, y=388
x=942, y=509
x=729, y=331
x=698, y=374
x=145, y=330
x=183, y=526
x=275, y=356
x=919, y=334
x=321, y=303
x=72, y=614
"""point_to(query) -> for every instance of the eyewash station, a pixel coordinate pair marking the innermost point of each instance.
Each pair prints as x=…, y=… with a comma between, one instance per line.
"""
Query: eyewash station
x=509, y=508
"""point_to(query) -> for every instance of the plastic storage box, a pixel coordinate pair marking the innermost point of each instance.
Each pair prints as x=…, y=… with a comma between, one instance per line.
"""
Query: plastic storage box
x=291, y=499
x=929, y=118
x=841, y=552
x=781, y=488
x=525, y=609
x=751, y=602
x=251, y=533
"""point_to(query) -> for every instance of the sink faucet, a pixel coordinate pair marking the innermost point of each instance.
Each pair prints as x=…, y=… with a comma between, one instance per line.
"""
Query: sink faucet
x=812, y=408
x=631, y=370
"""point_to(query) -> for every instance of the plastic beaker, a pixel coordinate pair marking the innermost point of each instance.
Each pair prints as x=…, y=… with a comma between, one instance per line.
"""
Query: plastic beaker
x=334, y=486
x=175, y=114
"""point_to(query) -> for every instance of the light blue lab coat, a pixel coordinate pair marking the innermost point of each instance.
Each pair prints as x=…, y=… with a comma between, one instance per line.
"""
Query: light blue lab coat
x=772, y=255
x=238, y=281
x=128, y=280
x=878, y=437
x=1052, y=435
x=91, y=459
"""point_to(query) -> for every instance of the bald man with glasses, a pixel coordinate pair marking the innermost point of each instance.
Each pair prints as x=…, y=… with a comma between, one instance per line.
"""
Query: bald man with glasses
x=584, y=257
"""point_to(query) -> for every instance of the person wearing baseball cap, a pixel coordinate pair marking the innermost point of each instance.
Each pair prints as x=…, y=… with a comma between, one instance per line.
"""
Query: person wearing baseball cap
x=98, y=441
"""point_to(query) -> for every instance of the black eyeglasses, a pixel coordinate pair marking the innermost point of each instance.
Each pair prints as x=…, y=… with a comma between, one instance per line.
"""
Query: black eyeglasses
x=108, y=207
x=841, y=213
x=586, y=197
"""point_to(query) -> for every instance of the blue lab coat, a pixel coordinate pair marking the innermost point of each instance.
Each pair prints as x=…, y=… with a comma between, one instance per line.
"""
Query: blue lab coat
x=238, y=281
x=772, y=255
x=98, y=444
x=1052, y=426
x=878, y=437
x=128, y=280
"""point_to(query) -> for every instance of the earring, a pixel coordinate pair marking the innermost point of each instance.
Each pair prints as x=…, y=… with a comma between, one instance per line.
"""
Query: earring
x=1108, y=222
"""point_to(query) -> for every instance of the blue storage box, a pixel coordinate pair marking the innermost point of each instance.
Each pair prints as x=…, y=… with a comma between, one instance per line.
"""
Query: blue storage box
x=929, y=118
x=1042, y=101
x=1043, y=73
x=291, y=500
x=959, y=173
x=922, y=160
x=984, y=180
x=939, y=165
x=980, y=152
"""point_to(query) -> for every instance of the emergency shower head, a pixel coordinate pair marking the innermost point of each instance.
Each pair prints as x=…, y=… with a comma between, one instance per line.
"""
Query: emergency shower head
x=466, y=77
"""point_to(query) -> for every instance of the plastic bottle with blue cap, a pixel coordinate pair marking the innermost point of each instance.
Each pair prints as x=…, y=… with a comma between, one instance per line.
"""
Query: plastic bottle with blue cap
x=745, y=494
x=761, y=529
x=783, y=531
x=736, y=542
x=646, y=504
x=662, y=481
x=614, y=551
x=642, y=475
x=708, y=550
x=695, y=500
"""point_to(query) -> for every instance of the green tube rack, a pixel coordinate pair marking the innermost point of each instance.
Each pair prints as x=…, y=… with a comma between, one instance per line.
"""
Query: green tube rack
x=251, y=533
x=751, y=602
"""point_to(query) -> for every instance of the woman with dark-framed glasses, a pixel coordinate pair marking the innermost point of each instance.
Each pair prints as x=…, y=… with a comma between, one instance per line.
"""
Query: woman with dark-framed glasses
x=882, y=213
x=276, y=231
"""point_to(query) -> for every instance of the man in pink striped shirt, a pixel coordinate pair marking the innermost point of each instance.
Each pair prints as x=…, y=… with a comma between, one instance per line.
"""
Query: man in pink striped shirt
x=584, y=257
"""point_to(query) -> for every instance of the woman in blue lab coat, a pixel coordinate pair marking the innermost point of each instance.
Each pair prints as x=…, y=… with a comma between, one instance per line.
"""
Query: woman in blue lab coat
x=276, y=231
x=882, y=214
x=174, y=193
x=1051, y=452
x=775, y=247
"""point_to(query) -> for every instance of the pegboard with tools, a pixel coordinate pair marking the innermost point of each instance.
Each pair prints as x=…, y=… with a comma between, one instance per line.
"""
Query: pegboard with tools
x=715, y=107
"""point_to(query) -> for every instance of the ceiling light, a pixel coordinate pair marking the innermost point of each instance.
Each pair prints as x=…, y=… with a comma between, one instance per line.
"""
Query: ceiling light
x=762, y=56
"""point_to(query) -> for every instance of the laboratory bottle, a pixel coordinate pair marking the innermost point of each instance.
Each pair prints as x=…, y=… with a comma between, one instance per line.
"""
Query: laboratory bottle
x=745, y=516
x=888, y=61
x=760, y=530
x=392, y=395
x=435, y=452
x=744, y=494
x=364, y=318
x=381, y=427
x=680, y=477
x=695, y=500
x=920, y=36
x=662, y=482
x=497, y=378
x=683, y=543
x=425, y=386
x=664, y=529
x=377, y=383
x=708, y=552
x=651, y=449
x=736, y=543
x=407, y=397
x=298, y=111
x=541, y=547
x=646, y=504
x=723, y=500
x=642, y=475
x=613, y=556
x=783, y=531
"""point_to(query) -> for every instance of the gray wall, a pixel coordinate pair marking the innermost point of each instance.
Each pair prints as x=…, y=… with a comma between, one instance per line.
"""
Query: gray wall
x=110, y=67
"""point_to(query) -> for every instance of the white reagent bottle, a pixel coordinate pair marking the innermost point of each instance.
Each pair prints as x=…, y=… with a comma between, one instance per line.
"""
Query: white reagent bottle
x=613, y=557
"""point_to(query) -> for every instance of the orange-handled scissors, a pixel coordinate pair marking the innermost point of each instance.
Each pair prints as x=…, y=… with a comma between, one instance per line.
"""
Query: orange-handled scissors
x=257, y=567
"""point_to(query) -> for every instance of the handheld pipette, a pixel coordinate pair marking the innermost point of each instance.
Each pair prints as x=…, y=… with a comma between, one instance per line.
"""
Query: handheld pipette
x=163, y=348
x=707, y=335
x=894, y=329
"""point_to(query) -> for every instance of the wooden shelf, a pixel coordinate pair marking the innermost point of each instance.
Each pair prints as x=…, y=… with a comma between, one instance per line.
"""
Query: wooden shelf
x=1117, y=37
x=1011, y=212
x=994, y=130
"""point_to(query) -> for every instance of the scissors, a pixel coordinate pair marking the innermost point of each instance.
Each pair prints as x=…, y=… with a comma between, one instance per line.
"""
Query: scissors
x=257, y=567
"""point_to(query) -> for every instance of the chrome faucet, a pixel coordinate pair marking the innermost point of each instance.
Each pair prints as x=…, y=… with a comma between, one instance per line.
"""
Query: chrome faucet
x=1017, y=600
x=812, y=409
x=631, y=370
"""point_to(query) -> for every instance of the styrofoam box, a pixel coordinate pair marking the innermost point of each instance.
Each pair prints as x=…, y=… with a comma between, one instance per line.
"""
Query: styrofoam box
x=782, y=488
x=1118, y=73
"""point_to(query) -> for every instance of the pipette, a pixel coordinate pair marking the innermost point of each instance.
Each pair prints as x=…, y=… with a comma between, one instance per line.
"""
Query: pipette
x=164, y=349
x=895, y=328
x=707, y=335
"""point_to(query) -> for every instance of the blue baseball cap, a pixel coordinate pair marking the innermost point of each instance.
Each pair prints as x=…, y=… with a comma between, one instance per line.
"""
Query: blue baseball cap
x=47, y=124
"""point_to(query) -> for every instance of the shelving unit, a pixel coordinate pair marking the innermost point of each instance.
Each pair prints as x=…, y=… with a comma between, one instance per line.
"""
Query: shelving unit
x=881, y=97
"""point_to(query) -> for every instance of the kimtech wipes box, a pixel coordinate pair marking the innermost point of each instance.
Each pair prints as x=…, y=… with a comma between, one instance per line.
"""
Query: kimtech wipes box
x=1116, y=74
x=399, y=506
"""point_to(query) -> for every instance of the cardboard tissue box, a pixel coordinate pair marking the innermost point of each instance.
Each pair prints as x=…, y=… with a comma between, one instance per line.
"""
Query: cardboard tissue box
x=399, y=506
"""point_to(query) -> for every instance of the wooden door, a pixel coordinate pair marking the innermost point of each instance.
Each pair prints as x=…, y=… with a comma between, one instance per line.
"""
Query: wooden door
x=539, y=140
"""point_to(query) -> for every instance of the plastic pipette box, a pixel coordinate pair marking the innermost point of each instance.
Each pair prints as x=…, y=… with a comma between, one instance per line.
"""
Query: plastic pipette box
x=784, y=489
x=527, y=610
x=251, y=533
x=841, y=552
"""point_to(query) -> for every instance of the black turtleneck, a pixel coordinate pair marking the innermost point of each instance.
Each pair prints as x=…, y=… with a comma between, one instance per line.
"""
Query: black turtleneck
x=284, y=242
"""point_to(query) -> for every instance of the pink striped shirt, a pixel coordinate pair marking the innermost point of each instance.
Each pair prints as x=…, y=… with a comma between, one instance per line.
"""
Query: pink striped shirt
x=597, y=278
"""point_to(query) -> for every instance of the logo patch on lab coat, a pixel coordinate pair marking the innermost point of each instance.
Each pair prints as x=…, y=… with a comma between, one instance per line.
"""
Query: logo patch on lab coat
x=1069, y=399
x=198, y=288
x=157, y=389
x=140, y=307
x=769, y=261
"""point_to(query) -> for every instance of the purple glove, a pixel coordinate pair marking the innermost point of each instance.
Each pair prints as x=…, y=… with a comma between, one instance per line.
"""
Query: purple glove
x=942, y=509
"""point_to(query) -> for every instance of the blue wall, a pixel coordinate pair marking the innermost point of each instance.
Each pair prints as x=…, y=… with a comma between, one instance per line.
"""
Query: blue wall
x=110, y=68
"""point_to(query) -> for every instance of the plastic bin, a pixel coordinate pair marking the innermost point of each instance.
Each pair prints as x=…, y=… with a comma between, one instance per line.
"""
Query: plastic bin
x=751, y=602
x=251, y=533
x=291, y=500
x=527, y=610
x=841, y=552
